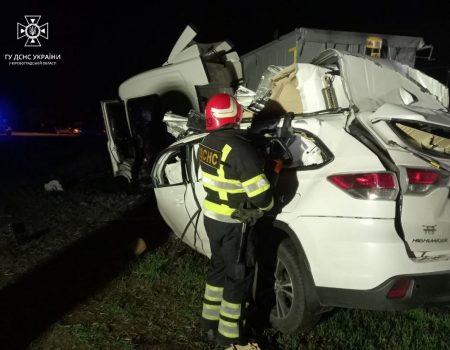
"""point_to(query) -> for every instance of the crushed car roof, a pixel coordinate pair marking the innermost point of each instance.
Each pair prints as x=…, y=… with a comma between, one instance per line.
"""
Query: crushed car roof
x=370, y=83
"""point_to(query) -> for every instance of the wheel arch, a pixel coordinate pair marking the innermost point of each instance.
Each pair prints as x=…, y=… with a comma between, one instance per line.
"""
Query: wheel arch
x=284, y=231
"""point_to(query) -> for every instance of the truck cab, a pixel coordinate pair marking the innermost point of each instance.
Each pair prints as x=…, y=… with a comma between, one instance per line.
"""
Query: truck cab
x=192, y=73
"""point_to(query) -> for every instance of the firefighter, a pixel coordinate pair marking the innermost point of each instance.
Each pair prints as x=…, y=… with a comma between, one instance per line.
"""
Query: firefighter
x=232, y=176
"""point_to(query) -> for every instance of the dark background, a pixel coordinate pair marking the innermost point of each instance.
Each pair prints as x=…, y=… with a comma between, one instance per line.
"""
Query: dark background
x=103, y=44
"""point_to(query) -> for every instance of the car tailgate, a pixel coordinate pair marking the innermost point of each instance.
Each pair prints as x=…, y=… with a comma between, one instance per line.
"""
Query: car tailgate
x=418, y=141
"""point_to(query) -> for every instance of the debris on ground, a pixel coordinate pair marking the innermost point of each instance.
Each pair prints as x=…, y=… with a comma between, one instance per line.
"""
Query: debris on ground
x=53, y=185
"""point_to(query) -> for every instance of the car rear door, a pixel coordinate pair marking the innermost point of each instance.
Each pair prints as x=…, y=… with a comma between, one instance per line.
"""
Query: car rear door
x=173, y=190
x=194, y=200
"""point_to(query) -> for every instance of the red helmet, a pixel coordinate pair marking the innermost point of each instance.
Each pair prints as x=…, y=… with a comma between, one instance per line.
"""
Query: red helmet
x=222, y=109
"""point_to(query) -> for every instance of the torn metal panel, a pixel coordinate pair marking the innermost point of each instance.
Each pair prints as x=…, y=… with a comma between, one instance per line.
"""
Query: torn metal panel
x=189, y=53
x=185, y=38
x=176, y=124
x=432, y=85
x=190, y=64
x=181, y=77
x=245, y=96
x=371, y=83
x=410, y=113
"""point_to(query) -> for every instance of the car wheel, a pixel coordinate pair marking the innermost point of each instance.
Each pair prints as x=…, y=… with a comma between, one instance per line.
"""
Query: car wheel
x=286, y=302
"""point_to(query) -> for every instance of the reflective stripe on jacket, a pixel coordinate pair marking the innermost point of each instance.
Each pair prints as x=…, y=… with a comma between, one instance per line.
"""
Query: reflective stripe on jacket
x=232, y=174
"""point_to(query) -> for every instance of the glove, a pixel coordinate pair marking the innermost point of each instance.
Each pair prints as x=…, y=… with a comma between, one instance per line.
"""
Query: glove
x=247, y=216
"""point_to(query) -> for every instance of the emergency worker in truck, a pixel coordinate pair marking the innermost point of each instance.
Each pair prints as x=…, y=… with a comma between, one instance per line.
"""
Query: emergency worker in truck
x=233, y=179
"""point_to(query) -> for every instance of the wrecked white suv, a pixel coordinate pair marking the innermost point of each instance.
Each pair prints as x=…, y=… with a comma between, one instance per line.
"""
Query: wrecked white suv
x=363, y=207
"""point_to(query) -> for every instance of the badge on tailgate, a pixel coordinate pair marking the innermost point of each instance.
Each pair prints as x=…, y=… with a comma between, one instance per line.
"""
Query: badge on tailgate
x=429, y=230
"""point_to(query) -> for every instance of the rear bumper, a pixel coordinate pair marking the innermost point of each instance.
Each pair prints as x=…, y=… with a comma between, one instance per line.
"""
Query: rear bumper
x=359, y=254
x=424, y=290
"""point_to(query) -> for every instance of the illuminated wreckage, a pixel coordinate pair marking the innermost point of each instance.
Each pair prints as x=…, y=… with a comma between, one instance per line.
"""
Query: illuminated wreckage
x=362, y=216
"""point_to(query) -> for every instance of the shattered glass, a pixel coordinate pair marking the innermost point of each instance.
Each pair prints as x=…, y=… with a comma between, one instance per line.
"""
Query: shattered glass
x=264, y=88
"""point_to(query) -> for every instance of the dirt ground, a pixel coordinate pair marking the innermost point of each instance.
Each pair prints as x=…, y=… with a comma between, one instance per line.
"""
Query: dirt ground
x=35, y=223
x=58, y=247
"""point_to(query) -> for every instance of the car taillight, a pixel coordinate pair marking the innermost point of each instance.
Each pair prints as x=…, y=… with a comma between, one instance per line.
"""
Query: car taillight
x=400, y=289
x=421, y=180
x=378, y=186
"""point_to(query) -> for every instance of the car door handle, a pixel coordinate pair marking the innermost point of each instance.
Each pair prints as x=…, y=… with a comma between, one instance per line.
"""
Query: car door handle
x=179, y=200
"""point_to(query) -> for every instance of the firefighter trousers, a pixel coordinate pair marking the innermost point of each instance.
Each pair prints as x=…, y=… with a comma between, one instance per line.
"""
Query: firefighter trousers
x=228, y=281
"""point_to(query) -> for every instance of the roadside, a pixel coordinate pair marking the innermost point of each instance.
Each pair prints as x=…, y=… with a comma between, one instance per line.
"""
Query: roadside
x=35, y=223
x=57, y=248
x=73, y=272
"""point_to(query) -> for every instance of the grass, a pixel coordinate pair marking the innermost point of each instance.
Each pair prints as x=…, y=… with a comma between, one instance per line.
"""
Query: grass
x=151, y=268
x=357, y=329
x=158, y=303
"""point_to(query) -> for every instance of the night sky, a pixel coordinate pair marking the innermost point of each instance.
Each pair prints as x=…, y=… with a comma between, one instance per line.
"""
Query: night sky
x=102, y=45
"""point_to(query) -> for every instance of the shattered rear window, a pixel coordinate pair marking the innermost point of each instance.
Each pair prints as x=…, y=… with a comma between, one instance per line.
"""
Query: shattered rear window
x=427, y=138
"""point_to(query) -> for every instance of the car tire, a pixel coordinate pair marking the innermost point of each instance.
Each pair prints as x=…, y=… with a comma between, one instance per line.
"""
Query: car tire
x=289, y=310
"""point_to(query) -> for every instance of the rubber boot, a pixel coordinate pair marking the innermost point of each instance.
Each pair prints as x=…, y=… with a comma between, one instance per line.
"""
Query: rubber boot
x=249, y=346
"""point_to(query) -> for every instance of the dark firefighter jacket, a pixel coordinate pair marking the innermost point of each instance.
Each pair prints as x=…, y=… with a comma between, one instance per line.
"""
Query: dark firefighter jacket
x=232, y=174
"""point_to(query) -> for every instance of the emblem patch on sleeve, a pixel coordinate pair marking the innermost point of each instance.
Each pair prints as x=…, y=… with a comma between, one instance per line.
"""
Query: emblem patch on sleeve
x=209, y=156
